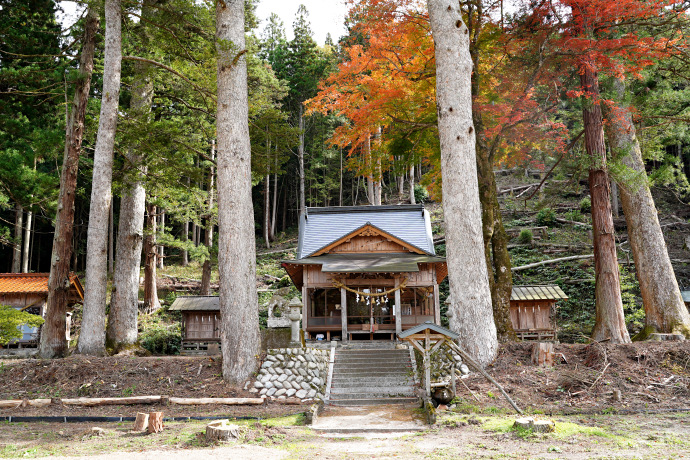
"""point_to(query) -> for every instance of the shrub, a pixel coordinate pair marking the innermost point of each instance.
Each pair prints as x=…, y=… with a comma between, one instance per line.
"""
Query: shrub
x=525, y=236
x=575, y=215
x=160, y=339
x=586, y=204
x=10, y=321
x=546, y=217
x=421, y=195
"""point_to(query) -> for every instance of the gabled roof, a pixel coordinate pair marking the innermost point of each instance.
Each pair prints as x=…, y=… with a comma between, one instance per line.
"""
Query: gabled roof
x=433, y=327
x=32, y=283
x=368, y=229
x=196, y=303
x=551, y=292
x=368, y=263
x=320, y=227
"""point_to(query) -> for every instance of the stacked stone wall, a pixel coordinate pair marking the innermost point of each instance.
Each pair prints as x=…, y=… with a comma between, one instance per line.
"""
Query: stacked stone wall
x=293, y=373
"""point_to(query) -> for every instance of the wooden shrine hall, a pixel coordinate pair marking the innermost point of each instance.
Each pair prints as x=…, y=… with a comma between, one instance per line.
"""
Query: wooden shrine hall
x=366, y=272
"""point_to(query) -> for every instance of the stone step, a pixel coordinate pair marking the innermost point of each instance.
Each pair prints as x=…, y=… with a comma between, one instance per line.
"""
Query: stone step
x=373, y=360
x=364, y=373
x=354, y=383
x=371, y=402
x=371, y=390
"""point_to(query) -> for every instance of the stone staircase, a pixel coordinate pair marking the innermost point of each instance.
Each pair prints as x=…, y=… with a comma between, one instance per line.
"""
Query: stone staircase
x=366, y=376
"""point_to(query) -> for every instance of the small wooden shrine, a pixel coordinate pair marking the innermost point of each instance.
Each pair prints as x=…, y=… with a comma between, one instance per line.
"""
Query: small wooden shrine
x=29, y=292
x=533, y=311
x=200, y=323
x=366, y=272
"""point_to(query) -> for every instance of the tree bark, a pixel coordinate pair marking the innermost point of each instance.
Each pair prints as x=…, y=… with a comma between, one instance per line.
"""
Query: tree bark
x=471, y=309
x=208, y=234
x=369, y=173
x=92, y=336
x=610, y=319
x=185, y=238
x=53, y=339
x=161, y=248
x=122, y=330
x=239, y=308
x=27, y=241
x=664, y=308
x=300, y=158
x=111, y=236
x=18, y=231
x=412, y=198
x=151, y=302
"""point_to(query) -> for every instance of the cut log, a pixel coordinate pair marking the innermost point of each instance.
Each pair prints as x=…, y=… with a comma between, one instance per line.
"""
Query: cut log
x=111, y=401
x=38, y=402
x=142, y=421
x=155, y=422
x=572, y=222
x=11, y=403
x=543, y=426
x=222, y=431
x=227, y=401
x=551, y=261
x=523, y=423
x=542, y=354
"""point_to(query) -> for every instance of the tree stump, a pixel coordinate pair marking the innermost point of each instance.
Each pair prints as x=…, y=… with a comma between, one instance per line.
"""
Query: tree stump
x=221, y=431
x=542, y=354
x=543, y=426
x=142, y=421
x=155, y=422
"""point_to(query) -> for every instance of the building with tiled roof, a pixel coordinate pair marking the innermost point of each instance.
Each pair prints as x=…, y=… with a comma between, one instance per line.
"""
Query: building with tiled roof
x=29, y=292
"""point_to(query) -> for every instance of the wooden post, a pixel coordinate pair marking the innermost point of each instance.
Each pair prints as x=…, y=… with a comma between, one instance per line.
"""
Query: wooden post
x=305, y=301
x=155, y=422
x=437, y=305
x=343, y=313
x=542, y=354
x=398, y=307
x=142, y=421
x=452, y=379
x=427, y=364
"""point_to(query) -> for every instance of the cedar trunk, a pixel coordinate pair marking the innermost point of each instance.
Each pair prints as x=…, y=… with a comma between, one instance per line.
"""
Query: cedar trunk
x=300, y=158
x=239, y=309
x=151, y=302
x=210, y=223
x=18, y=230
x=610, y=320
x=122, y=330
x=92, y=336
x=53, y=340
x=471, y=309
x=663, y=304
x=27, y=241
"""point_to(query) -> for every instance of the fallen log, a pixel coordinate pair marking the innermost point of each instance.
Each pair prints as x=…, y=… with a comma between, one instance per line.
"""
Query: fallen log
x=226, y=401
x=515, y=189
x=11, y=403
x=572, y=222
x=110, y=401
x=551, y=261
x=38, y=402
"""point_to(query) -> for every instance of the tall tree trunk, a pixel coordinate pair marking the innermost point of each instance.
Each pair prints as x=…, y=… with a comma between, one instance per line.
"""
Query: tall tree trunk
x=185, y=238
x=340, y=190
x=151, y=302
x=122, y=330
x=495, y=244
x=614, y=199
x=111, y=237
x=274, y=211
x=378, y=173
x=161, y=248
x=18, y=231
x=412, y=198
x=610, y=319
x=471, y=309
x=92, y=336
x=366, y=147
x=27, y=241
x=239, y=309
x=210, y=222
x=300, y=159
x=53, y=339
x=267, y=211
x=664, y=308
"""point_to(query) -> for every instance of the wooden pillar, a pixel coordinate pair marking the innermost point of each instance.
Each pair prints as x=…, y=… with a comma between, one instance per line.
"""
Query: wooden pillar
x=427, y=363
x=305, y=303
x=437, y=305
x=343, y=313
x=398, y=309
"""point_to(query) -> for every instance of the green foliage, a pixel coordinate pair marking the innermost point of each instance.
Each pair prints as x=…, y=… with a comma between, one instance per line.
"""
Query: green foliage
x=421, y=195
x=546, y=217
x=575, y=215
x=525, y=236
x=10, y=321
x=161, y=332
x=585, y=205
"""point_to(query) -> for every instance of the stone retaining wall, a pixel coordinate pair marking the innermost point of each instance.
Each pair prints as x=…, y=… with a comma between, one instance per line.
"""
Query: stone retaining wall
x=441, y=365
x=293, y=373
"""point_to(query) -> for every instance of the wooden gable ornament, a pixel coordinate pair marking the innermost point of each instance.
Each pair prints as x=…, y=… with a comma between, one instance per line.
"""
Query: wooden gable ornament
x=368, y=239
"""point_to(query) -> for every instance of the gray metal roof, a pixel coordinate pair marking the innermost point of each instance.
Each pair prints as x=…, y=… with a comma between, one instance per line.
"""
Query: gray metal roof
x=363, y=263
x=686, y=296
x=429, y=325
x=551, y=292
x=196, y=303
x=319, y=227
